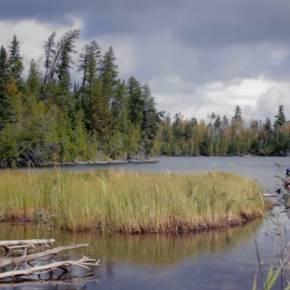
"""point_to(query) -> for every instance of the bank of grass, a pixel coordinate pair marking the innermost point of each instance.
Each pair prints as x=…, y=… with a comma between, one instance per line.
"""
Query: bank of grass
x=109, y=200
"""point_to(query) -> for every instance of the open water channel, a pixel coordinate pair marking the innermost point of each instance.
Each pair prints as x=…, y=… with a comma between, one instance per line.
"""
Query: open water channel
x=218, y=259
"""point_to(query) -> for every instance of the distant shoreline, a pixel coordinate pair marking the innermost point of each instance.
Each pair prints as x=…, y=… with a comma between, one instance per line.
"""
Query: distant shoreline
x=89, y=162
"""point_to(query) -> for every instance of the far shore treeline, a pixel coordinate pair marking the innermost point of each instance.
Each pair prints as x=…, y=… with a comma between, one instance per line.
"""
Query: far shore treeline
x=48, y=117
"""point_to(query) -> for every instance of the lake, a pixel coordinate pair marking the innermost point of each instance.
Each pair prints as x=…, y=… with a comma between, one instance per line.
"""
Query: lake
x=218, y=259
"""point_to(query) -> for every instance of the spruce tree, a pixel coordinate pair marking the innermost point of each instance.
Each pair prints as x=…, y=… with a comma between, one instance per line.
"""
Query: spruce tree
x=280, y=118
x=15, y=60
x=89, y=67
x=6, y=102
x=98, y=118
x=151, y=119
x=109, y=74
x=50, y=51
x=135, y=102
x=33, y=80
x=65, y=49
x=118, y=108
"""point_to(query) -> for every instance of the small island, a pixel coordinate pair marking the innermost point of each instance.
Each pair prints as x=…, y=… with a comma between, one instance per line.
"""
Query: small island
x=130, y=202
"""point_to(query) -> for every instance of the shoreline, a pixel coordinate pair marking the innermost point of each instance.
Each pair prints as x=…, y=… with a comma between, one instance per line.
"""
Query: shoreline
x=245, y=219
x=89, y=162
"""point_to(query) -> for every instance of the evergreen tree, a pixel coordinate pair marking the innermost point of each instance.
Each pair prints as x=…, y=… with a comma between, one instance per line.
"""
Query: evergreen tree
x=89, y=67
x=118, y=108
x=99, y=115
x=237, y=118
x=135, y=103
x=109, y=74
x=280, y=118
x=65, y=49
x=50, y=51
x=89, y=63
x=58, y=59
x=33, y=80
x=205, y=148
x=268, y=125
x=6, y=102
x=151, y=119
x=15, y=60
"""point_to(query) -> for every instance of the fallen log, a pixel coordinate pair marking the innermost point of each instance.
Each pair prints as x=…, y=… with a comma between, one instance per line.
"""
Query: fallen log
x=84, y=262
x=21, y=245
x=27, y=242
x=27, y=258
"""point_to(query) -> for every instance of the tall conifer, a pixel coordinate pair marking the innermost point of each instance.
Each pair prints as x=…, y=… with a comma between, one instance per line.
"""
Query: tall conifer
x=6, y=102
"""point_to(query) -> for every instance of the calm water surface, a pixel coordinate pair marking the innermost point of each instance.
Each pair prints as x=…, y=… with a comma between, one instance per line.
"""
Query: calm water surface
x=220, y=259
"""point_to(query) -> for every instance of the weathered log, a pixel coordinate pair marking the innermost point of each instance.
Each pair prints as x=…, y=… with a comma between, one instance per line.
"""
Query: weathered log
x=36, y=282
x=27, y=258
x=27, y=242
x=84, y=262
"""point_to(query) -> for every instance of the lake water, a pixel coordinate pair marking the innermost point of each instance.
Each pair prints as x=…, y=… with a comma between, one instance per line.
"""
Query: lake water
x=218, y=259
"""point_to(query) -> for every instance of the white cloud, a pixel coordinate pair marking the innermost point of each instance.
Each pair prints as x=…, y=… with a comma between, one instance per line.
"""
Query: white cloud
x=32, y=34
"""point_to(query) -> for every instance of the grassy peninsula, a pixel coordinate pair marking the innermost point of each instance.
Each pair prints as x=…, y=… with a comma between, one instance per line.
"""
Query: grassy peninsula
x=129, y=202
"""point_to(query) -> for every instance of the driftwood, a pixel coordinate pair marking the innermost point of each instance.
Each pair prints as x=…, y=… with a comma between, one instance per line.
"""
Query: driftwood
x=84, y=262
x=28, y=258
x=19, y=246
x=50, y=267
x=27, y=242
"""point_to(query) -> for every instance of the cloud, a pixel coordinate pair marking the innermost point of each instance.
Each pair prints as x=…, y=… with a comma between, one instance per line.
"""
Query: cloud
x=198, y=56
x=31, y=35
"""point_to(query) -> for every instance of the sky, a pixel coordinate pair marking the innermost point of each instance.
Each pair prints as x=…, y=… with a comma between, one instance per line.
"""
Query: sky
x=198, y=56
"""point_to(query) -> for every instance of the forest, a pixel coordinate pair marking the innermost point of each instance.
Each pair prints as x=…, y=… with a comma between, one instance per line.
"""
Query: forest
x=45, y=116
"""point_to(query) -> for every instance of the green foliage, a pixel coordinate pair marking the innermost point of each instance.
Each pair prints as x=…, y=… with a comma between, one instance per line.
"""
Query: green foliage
x=46, y=118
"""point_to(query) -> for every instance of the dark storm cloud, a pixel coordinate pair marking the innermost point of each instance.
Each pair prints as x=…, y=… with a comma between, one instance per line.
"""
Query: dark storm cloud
x=179, y=46
x=197, y=23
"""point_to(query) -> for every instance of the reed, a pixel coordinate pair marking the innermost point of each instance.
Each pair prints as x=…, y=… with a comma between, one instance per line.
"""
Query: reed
x=130, y=202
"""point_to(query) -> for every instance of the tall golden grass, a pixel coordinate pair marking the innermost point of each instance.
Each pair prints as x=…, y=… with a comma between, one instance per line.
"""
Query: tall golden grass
x=130, y=202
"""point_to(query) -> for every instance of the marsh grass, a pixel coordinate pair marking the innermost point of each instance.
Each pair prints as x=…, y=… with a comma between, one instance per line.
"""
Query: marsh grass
x=130, y=202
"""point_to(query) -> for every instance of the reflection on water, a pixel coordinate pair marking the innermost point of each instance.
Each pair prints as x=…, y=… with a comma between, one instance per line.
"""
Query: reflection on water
x=123, y=256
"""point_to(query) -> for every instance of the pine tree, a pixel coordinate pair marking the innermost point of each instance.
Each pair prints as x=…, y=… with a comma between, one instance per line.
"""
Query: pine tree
x=118, y=108
x=135, y=103
x=50, y=51
x=109, y=74
x=33, y=80
x=15, y=60
x=58, y=58
x=6, y=101
x=237, y=118
x=89, y=63
x=89, y=66
x=280, y=118
x=98, y=118
x=151, y=119
x=65, y=49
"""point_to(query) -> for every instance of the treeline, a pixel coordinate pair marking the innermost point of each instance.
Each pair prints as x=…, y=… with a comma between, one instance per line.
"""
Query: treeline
x=45, y=117
x=219, y=136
